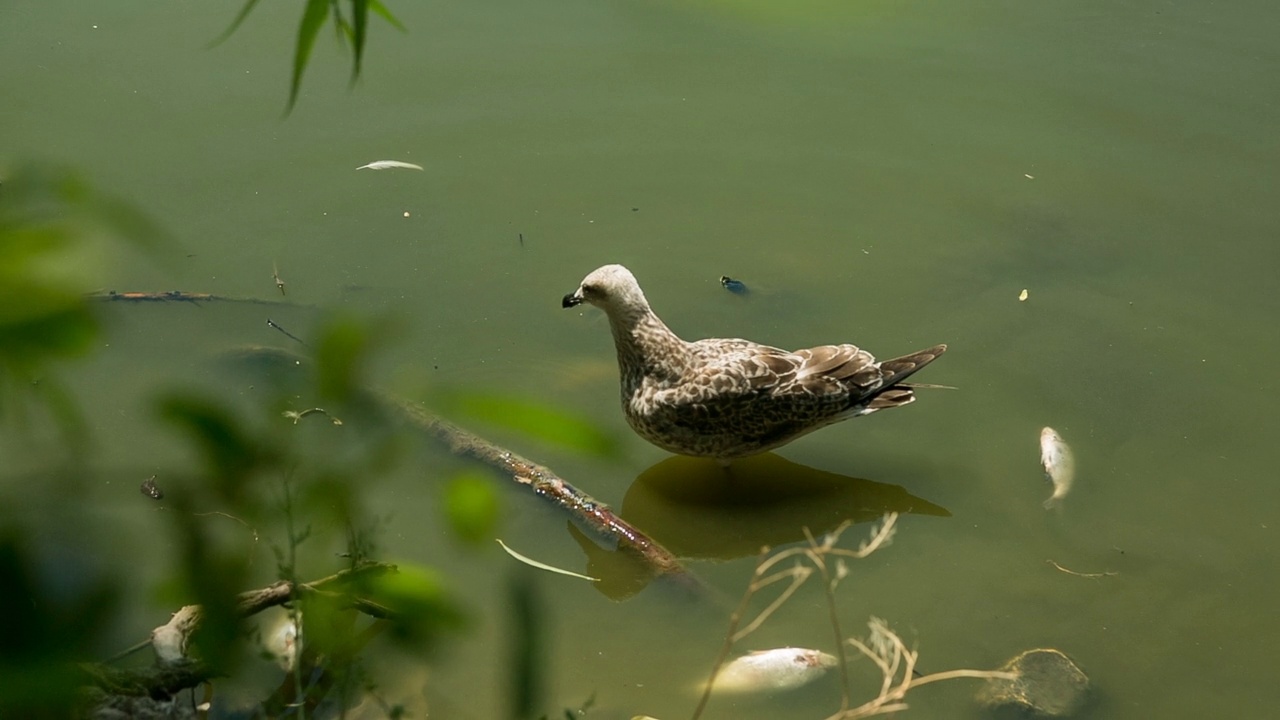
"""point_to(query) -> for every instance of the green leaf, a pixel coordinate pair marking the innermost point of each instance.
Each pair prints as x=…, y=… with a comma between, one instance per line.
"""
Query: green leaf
x=360, y=19
x=49, y=218
x=58, y=207
x=531, y=418
x=52, y=330
x=422, y=609
x=235, y=24
x=341, y=27
x=230, y=454
x=340, y=351
x=471, y=506
x=312, y=20
x=385, y=14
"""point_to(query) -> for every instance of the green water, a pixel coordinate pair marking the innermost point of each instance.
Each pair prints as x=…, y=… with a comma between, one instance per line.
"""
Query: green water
x=890, y=174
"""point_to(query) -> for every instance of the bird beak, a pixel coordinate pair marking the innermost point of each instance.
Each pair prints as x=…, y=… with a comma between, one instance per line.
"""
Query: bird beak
x=573, y=298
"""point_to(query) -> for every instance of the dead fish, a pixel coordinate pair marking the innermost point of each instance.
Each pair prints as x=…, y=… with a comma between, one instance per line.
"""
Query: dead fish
x=388, y=164
x=1059, y=466
x=280, y=641
x=777, y=669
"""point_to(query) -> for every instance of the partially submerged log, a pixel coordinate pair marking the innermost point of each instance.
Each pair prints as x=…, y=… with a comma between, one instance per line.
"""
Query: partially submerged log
x=176, y=296
x=586, y=510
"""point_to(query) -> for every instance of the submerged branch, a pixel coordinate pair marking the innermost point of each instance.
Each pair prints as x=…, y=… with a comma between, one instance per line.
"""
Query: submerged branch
x=179, y=296
x=542, y=481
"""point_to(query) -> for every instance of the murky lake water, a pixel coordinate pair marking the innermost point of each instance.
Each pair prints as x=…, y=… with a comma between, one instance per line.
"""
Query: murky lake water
x=887, y=174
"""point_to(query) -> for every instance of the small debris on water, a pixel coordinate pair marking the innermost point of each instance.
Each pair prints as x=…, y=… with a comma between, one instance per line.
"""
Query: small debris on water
x=1048, y=684
x=296, y=416
x=389, y=164
x=406, y=213
x=151, y=490
x=737, y=287
x=543, y=566
x=1022, y=296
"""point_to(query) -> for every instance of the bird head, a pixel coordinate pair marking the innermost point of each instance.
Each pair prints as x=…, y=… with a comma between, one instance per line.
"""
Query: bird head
x=611, y=288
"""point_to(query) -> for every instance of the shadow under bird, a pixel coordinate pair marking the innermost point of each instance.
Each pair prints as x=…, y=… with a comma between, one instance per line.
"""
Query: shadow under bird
x=731, y=398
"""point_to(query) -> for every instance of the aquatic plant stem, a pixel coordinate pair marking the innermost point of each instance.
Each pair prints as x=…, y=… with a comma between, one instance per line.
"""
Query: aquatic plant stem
x=817, y=555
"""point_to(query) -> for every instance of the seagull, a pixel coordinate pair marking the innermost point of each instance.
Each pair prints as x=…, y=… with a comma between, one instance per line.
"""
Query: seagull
x=731, y=398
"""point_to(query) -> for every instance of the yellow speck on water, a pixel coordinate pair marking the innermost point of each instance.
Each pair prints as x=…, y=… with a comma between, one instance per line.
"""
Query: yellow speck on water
x=406, y=213
x=1022, y=296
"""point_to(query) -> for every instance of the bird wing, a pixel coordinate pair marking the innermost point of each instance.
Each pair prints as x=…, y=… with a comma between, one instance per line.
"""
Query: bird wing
x=848, y=366
x=741, y=367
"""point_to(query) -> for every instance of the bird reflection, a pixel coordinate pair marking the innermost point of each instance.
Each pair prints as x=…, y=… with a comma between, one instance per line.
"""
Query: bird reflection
x=697, y=509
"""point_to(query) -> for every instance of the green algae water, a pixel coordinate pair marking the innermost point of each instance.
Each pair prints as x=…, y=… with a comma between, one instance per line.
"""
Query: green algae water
x=888, y=174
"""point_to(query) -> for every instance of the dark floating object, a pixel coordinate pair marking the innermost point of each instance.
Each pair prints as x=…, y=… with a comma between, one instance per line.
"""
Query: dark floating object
x=737, y=287
x=1048, y=685
x=150, y=489
x=275, y=275
x=288, y=334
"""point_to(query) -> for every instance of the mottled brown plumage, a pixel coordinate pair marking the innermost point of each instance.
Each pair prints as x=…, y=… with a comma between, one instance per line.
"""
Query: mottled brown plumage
x=730, y=398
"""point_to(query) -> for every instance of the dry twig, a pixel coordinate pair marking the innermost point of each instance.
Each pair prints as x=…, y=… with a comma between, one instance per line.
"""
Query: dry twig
x=883, y=647
x=1105, y=573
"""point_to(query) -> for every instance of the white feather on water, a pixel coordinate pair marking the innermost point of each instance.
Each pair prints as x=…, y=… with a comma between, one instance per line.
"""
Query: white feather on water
x=777, y=669
x=389, y=164
x=1058, y=463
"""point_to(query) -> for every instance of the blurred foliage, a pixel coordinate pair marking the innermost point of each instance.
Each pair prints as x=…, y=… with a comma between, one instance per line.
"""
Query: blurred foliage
x=45, y=627
x=528, y=417
x=350, y=24
x=471, y=506
x=527, y=647
x=423, y=610
x=255, y=475
x=49, y=218
x=262, y=471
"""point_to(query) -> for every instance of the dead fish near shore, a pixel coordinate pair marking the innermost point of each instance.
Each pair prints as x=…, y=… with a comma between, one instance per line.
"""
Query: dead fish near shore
x=389, y=164
x=1058, y=463
x=777, y=669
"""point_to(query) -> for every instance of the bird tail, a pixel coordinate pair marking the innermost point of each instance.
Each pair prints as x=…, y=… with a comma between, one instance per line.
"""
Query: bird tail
x=901, y=368
x=896, y=392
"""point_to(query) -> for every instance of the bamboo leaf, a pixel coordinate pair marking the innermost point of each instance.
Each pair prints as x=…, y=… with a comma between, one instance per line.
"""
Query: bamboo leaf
x=343, y=30
x=341, y=27
x=312, y=19
x=235, y=24
x=385, y=14
x=360, y=19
